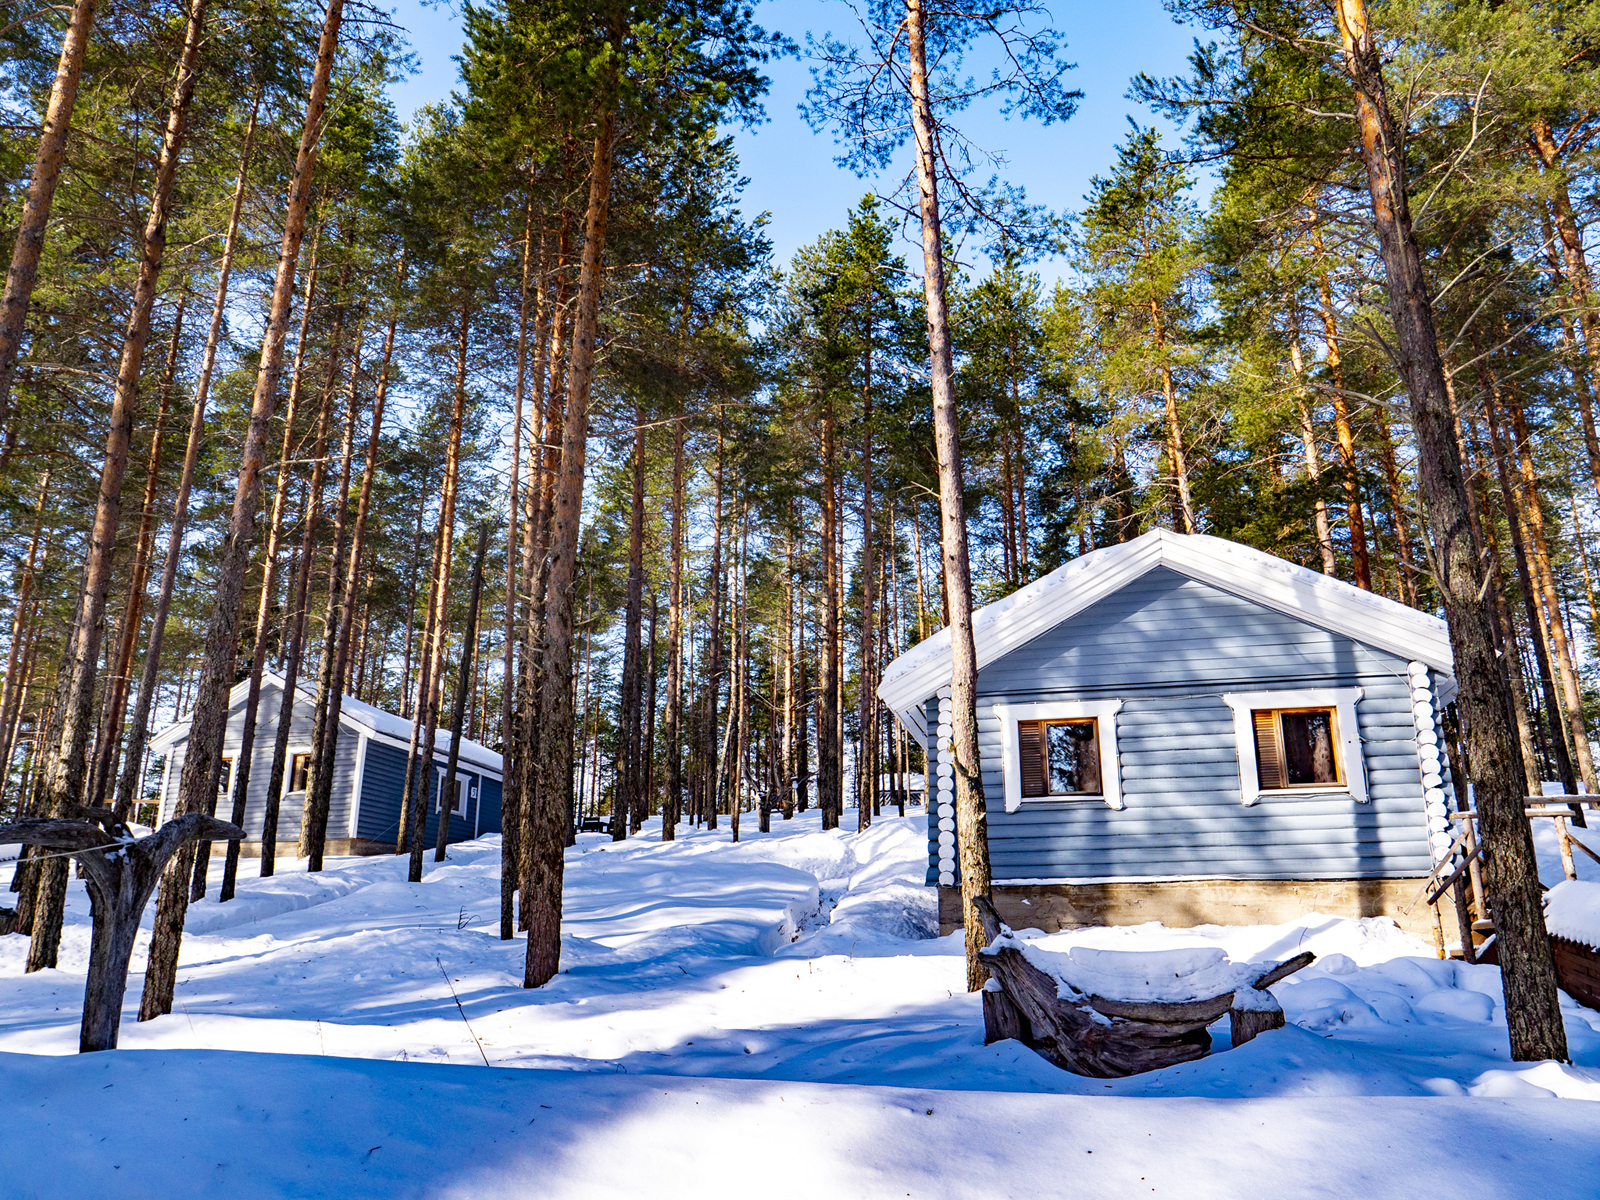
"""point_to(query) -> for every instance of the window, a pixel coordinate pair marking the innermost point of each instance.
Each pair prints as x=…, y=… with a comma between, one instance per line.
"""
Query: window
x=1298, y=742
x=1059, y=758
x=1060, y=751
x=299, y=772
x=225, y=777
x=1294, y=747
x=459, y=808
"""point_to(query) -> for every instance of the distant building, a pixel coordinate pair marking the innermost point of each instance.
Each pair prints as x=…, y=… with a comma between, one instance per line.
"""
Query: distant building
x=368, y=774
x=1188, y=730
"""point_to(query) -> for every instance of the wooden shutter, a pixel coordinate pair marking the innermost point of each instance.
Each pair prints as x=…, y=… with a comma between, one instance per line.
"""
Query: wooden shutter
x=1035, y=773
x=1270, y=773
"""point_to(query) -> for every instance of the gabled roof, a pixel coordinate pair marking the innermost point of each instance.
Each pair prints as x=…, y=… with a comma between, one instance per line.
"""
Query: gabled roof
x=1317, y=599
x=362, y=717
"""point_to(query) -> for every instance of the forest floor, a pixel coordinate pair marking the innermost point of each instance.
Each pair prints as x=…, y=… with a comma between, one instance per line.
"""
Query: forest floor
x=776, y=1017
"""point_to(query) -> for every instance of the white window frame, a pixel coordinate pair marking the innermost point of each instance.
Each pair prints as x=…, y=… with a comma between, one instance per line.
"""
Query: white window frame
x=1104, y=713
x=288, y=774
x=461, y=791
x=1352, y=763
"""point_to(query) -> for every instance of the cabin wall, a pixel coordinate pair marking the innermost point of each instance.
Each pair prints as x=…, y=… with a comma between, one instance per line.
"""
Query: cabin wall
x=1169, y=647
x=381, y=780
x=384, y=779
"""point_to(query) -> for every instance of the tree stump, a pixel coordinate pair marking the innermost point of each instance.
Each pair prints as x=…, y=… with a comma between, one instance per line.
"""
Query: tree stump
x=121, y=871
x=1256, y=1016
x=1105, y=1038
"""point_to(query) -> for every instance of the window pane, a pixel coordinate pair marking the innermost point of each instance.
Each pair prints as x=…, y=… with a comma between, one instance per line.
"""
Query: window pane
x=1074, y=757
x=1308, y=747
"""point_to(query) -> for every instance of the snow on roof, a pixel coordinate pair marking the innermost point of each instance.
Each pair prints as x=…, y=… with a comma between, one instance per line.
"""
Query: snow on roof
x=1321, y=600
x=353, y=712
x=1572, y=911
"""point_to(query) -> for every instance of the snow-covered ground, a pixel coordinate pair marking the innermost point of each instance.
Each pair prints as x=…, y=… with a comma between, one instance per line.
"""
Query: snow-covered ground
x=775, y=1017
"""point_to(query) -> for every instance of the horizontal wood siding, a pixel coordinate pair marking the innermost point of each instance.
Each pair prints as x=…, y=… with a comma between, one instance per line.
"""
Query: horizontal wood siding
x=489, y=817
x=930, y=798
x=381, y=784
x=1169, y=647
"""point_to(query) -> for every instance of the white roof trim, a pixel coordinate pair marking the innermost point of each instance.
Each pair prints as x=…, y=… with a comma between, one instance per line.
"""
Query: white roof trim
x=1310, y=596
x=357, y=715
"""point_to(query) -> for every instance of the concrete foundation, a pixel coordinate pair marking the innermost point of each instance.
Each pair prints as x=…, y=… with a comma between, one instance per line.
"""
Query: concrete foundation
x=1182, y=904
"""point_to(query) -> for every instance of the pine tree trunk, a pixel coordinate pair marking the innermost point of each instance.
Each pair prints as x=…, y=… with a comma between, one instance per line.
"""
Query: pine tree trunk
x=1538, y=545
x=203, y=759
x=630, y=776
x=1397, y=507
x=441, y=601
x=647, y=755
x=1543, y=143
x=299, y=612
x=335, y=631
x=1308, y=442
x=1527, y=964
x=547, y=848
x=269, y=570
x=829, y=799
x=469, y=645
x=1516, y=522
x=24, y=271
x=972, y=832
x=64, y=782
x=511, y=745
x=11, y=705
x=114, y=706
x=672, y=731
x=408, y=831
x=867, y=788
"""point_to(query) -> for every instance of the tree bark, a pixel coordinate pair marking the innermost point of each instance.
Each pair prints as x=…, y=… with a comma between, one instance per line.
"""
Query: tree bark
x=546, y=851
x=829, y=799
x=1539, y=547
x=972, y=832
x=330, y=683
x=672, y=722
x=12, y=689
x=24, y=271
x=867, y=778
x=469, y=644
x=1527, y=964
x=510, y=710
x=64, y=783
x=114, y=706
x=441, y=600
x=1308, y=443
x=632, y=694
x=299, y=609
x=1517, y=523
x=409, y=831
x=203, y=759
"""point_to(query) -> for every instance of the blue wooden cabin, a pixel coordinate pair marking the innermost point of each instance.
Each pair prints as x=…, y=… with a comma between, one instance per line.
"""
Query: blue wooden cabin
x=1184, y=729
x=369, y=774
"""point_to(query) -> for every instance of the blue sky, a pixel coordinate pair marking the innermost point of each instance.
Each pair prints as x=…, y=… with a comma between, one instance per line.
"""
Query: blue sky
x=791, y=170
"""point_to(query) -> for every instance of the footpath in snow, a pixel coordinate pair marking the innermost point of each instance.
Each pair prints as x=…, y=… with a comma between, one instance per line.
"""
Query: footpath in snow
x=777, y=1017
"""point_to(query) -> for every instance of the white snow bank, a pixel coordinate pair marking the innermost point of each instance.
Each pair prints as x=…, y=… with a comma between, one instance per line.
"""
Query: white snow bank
x=1170, y=976
x=1572, y=911
x=202, y=1124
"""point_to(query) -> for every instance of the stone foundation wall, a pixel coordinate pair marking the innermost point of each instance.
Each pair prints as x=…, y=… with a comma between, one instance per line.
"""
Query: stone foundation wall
x=1185, y=903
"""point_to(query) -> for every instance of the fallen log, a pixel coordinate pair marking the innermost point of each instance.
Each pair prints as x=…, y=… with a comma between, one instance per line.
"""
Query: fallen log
x=1105, y=1037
